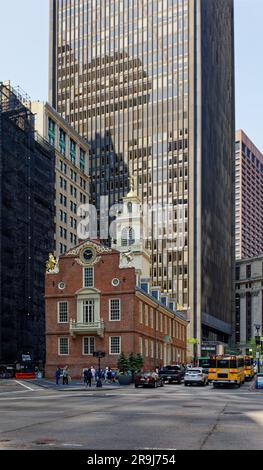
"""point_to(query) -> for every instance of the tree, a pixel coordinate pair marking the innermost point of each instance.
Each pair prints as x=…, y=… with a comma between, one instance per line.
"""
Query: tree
x=132, y=363
x=138, y=362
x=123, y=363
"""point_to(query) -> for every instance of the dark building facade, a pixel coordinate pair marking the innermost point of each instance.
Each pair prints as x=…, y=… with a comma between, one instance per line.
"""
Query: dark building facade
x=27, y=229
x=150, y=84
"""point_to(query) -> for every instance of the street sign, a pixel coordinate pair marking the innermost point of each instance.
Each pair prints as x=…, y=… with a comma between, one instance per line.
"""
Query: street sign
x=99, y=354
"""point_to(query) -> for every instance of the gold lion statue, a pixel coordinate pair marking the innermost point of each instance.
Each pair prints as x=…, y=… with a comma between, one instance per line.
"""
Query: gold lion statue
x=51, y=263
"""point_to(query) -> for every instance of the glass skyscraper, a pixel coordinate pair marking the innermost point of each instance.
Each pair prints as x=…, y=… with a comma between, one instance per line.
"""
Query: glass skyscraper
x=149, y=83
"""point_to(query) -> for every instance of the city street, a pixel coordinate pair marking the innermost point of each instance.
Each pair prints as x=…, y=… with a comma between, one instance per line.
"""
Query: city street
x=172, y=417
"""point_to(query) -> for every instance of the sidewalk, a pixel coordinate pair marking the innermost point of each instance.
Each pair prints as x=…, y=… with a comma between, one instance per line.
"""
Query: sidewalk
x=75, y=385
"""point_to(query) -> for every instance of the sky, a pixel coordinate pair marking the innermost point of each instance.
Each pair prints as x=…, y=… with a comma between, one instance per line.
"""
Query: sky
x=24, y=36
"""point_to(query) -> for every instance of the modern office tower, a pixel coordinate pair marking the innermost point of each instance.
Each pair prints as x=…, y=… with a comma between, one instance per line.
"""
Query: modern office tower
x=26, y=229
x=249, y=198
x=72, y=172
x=150, y=84
x=249, y=300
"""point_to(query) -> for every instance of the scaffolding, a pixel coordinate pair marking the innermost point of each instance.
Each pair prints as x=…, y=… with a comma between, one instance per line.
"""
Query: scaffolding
x=16, y=107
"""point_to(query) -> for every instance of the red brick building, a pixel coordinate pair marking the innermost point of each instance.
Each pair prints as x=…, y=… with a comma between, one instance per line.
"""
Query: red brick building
x=94, y=303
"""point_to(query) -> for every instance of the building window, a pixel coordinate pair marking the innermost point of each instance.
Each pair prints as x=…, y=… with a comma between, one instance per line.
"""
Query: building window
x=89, y=311
x=62, y=142
x=161, y=351
x=88, y=345
x=146, y=315
x=88, y=277
x=156, y=321
x=140, y=346
x=62, y=312
x=51, y=131
x=237, y=273
x=146, y=347
x=73, y=151
x=140, y=312
x=165, y=325
x=248, y=270
x=82, y=160
x=73, y=191
x=115, y=310
x=127, y=236
x=161, y=323
x=63, y=346
x=73, y=175
x=152, y=349
x=115, y=345
x=151, y=318
x=157, y=350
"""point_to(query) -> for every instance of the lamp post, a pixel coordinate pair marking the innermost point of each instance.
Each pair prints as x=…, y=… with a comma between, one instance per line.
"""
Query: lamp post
x=99, y=355
x=257, y=339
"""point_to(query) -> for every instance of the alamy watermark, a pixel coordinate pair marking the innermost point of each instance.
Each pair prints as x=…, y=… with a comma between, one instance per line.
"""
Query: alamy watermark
x=139, y=222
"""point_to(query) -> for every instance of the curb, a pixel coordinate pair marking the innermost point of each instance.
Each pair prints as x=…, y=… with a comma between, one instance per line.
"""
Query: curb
x=52, y=386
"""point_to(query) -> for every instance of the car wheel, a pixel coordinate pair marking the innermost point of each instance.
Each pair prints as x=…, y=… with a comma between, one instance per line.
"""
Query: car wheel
x=136, y=386
x=185, y=384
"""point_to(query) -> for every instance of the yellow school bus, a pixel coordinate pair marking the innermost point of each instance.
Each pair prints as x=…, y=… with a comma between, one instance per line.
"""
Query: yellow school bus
x=226, y=369
x=249, y=367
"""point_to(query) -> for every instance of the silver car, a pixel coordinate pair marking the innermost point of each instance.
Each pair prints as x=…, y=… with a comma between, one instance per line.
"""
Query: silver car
x=195, y=375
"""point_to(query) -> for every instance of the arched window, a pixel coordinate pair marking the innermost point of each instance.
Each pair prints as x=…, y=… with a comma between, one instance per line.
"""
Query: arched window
x=127, y=236
x=129, y=207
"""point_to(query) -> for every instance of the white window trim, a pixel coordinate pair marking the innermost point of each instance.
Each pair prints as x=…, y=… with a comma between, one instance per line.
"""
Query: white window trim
x=140, y=312
x=58, y=303
x=110, y=353
x=83, y=340
x=83, y=277
x=140, y=345
x=114, y=298
x=146, y=347
x=59, y=353
x=152, y=348
x=146, y=315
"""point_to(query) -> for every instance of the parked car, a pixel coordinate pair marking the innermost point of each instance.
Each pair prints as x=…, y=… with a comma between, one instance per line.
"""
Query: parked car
x=196, y=375
x=259, y=380
x=172, y=373
x=148, y=378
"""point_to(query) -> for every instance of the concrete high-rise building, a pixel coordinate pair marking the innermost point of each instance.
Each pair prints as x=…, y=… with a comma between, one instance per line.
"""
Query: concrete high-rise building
x=27, y=192
x=249, y=301
x=150, y=84
x=249, y=198
x=72, y=172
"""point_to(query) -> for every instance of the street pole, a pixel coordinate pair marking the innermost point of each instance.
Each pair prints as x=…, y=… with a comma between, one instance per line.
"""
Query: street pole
x=258, y=343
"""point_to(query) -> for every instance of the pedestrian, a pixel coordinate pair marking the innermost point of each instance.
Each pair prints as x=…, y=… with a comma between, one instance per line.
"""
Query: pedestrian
x=105, y=374
x=85, y=377
x=58, y=372
x=93, y=371
x=89, y=377
x=65, y=375
x=109, y=376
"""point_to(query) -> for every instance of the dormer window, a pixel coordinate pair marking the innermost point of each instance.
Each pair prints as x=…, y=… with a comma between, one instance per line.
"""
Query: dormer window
x=127, y=236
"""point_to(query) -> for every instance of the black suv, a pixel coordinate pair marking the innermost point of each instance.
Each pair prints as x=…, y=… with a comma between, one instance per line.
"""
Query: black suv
x=172, y=374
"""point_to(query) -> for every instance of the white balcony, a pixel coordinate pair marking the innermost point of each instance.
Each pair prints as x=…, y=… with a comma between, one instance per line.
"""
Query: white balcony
x=96, y=328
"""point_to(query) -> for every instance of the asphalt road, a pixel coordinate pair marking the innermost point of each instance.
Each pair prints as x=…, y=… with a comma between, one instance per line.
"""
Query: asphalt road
x=172, y=417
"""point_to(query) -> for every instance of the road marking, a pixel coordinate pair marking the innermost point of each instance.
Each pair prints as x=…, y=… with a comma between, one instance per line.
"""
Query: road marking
x=26, y=386
x=72, y=445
